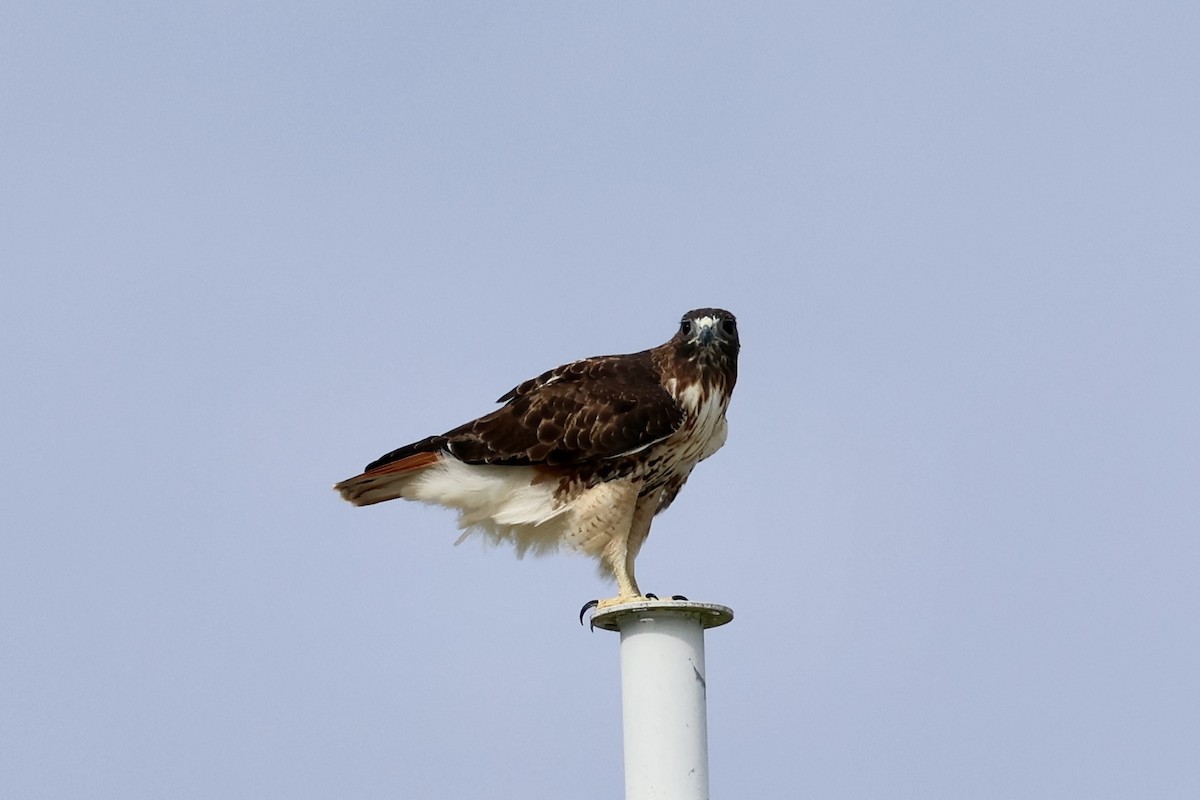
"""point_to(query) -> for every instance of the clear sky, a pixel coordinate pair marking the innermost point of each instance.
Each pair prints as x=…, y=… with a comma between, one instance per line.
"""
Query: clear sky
x=249, y=247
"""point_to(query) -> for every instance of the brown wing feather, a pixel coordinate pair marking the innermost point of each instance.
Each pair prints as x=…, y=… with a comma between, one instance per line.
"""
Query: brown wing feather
x=581, y=412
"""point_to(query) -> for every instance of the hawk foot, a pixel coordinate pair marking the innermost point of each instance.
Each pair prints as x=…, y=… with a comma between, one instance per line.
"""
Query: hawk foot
x=599, y=605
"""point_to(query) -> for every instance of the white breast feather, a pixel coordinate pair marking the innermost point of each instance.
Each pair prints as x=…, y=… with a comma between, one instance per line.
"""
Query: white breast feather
x=710, y=425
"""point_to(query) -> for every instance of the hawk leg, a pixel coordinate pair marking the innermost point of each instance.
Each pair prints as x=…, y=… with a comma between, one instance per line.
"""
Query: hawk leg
x=639, y=529
x=626, y=531
x=624, y=543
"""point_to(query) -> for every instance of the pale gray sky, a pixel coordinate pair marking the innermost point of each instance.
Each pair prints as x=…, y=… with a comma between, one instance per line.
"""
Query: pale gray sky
x=250, y=247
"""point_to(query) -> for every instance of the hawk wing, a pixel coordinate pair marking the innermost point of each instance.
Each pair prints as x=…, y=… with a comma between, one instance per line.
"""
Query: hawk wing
x=585, y=411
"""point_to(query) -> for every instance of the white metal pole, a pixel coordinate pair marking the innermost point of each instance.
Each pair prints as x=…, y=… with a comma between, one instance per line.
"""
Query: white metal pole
x=663, y=695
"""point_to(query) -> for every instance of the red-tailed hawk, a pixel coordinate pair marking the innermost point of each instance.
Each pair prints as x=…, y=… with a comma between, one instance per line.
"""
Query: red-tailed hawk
x=582, y=456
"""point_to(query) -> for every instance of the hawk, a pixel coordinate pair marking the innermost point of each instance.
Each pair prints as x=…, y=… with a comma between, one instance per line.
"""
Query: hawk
x=583, y=456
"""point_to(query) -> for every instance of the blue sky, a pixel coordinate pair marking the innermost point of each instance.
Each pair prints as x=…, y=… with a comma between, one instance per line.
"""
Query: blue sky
x=251, y=247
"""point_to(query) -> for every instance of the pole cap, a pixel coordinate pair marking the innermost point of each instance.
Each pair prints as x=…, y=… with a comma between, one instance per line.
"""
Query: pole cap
x=710, y=615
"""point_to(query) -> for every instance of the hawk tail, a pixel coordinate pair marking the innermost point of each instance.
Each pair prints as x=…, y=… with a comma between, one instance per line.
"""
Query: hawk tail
x=386, y=482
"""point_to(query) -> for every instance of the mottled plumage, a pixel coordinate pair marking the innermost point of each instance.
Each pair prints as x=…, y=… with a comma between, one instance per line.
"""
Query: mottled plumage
x=583, y=455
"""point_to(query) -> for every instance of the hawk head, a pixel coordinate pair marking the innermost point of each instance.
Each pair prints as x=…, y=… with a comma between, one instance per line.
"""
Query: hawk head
x=708, y=337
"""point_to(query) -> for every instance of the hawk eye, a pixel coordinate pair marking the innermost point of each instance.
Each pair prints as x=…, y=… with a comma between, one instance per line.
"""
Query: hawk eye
x=729, y=326
x=685, y=327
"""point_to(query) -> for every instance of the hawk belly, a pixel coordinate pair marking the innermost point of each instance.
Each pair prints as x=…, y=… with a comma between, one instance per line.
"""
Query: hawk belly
x=522, y=506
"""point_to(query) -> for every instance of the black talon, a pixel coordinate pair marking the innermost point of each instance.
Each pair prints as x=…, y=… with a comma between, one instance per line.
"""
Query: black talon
x=651, y=596
x=678, y=597
x=588, y=606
